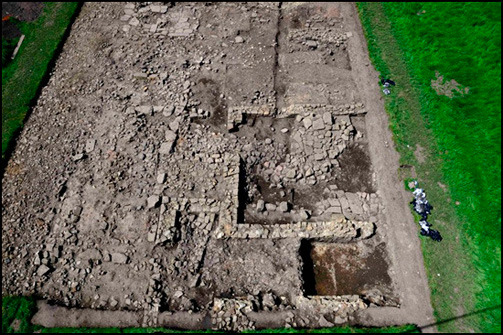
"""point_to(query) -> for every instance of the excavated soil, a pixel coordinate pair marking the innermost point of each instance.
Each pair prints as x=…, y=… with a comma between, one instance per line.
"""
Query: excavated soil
x=211, y=165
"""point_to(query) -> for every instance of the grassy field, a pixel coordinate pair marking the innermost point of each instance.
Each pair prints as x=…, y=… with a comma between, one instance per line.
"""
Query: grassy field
x=453, y=143
x=8, y=46
x=22, y=77
x=23, y=309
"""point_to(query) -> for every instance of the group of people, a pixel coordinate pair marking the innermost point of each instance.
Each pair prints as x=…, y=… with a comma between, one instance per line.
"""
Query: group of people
x=423, y=208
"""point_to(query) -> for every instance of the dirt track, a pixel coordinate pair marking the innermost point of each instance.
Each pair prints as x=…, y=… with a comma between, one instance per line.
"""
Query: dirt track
x=199, y=160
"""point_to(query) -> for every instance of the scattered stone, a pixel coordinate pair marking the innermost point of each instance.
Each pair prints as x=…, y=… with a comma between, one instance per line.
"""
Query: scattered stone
x=318, y=124
x=327, y=118
x=284, y=207
x=166, y=147
x=161, y=178
x=307, y=122
x=144, y=110
x=78, y=157
x=90, y=145
x=174, y=125
x=270, y=207
x=324, y=323
x=119, y=258
x=304, y=215
x=312, y=44
x=113, y=302
x=291, y=173
x=260, y=205
x=42, y=270
x=170, y=136
x=151, y=236
x=239, y=39
x=153, y=201
x=134, y=22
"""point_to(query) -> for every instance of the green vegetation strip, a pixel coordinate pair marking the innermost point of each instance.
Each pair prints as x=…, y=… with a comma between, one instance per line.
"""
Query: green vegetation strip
x=22, y=77
x=18, y=311
x=454, y=143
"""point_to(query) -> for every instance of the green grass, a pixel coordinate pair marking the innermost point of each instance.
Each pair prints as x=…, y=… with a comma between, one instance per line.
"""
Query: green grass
x=17, y=308
x=461, y=138
x=343, y=329
x=8, y=46
x=21, y=78
x=401, y=329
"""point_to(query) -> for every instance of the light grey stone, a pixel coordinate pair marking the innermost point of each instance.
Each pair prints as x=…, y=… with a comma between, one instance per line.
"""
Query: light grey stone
x=166, y=147
x=151, y=237
x=161, y=178
x=144, y=109
x=90, y=144
x=153, y=201
x=78, y=157
x=42, y=270
x=291, y=173
x=307, y=122
x=119, y=258
x=260, y=205
x=283, y=207
x=334, y=210
x=327, y=118
x=324, y=323
x=318, y=124
x=134, y=22
x=174, y=125
x=170, y=135
x=270, y=207
x=312, y=44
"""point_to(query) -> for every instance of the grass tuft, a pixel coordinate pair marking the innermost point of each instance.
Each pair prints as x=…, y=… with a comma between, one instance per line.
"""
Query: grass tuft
x=411, y=43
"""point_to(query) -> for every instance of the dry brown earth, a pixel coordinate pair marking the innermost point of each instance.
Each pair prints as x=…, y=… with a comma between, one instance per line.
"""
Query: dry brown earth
x=212, y=165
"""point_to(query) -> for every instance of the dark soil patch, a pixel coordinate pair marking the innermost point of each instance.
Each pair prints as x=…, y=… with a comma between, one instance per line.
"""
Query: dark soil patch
x=338, y=58
x=308, y=196
x=341, y=269
x=305, y=197
x=269, y=194
x=10, y=29
x=208, y=92
x=308, y=274
x=263, y=127
x=358, y=121
x=355, y=174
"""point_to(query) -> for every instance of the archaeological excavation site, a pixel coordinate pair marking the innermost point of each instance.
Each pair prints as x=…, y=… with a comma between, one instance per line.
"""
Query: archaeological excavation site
x=221, y=166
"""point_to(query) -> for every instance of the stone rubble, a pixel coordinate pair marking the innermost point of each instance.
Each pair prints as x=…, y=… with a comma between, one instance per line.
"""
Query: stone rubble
x=153, y=163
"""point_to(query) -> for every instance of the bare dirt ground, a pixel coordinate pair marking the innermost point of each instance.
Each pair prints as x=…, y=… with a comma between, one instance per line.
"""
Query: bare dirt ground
x=212, y=166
